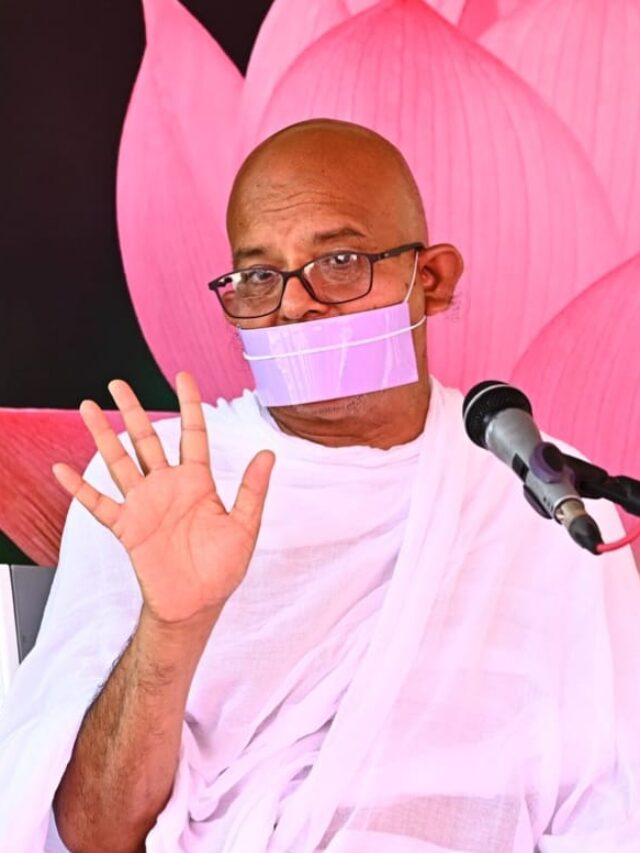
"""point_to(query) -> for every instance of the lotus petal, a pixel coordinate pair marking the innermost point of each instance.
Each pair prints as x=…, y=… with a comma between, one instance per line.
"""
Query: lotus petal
x=177, y=159
x=501, y=176
x=33, y=505
x=583, y=375
x=478, y=15
x=582, y=58
x=449, y=9
x=289, y=28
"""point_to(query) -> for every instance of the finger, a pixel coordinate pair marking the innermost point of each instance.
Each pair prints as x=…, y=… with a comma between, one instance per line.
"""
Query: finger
x=121, y=466
x=144, y=438
x=252, y=493
x=101, y=507
x=194, y=443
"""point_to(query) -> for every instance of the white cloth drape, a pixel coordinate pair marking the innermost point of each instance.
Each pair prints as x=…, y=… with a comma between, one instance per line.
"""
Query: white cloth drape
x=415, y=662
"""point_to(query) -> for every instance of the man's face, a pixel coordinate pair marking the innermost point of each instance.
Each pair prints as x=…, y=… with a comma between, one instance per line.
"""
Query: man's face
x=315, y=193
x=293, y=210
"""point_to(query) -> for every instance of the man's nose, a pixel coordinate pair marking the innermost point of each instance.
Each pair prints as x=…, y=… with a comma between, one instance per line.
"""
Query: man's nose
x=298, y=304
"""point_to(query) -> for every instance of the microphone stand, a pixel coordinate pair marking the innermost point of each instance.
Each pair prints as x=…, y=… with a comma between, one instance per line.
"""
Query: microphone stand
x=594, y=482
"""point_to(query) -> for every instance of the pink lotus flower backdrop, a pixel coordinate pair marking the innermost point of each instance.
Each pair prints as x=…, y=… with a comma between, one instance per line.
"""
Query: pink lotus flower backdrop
x=521, y=122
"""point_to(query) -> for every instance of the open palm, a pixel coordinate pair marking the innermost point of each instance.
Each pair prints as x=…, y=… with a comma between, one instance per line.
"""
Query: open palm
x=189, y=554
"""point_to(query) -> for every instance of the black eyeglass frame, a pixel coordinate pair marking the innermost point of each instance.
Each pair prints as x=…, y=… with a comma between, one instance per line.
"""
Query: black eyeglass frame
x=299, y=273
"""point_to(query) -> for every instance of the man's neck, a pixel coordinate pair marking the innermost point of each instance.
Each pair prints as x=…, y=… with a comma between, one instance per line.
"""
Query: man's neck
x=382, y=419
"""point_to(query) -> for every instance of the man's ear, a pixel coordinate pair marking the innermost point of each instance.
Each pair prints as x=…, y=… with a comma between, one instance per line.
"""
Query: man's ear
x=440, y=268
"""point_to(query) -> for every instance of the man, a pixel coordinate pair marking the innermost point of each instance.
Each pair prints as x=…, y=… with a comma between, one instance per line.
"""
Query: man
x=336, y=624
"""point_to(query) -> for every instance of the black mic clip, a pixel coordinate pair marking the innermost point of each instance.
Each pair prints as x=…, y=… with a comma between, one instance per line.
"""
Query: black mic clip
x=594, y=482
x=548, y=465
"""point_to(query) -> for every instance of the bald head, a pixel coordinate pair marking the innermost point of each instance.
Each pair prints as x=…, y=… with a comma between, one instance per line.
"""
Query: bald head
x=325, y=159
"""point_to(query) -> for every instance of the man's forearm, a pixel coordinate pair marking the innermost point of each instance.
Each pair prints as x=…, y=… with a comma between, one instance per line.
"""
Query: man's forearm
x=125, y=757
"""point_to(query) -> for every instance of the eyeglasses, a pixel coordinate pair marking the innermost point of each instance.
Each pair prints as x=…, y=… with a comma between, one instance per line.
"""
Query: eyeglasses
x=331, y=279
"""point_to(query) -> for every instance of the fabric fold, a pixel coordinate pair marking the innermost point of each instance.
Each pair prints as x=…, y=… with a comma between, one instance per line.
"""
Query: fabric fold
x=410, y=661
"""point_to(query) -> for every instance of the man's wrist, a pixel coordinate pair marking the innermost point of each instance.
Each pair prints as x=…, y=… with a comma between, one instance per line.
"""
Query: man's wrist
x=173, y=646
x=185, y=627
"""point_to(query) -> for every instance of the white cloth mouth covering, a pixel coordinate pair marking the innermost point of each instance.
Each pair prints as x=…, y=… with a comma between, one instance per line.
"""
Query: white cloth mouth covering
x=353, y=353
x=415, y=662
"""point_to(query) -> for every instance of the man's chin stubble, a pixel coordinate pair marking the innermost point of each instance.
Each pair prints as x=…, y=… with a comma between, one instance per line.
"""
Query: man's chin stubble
x=339, y=406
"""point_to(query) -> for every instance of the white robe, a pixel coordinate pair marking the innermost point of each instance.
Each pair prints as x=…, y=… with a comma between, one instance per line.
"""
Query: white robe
x=414, y=662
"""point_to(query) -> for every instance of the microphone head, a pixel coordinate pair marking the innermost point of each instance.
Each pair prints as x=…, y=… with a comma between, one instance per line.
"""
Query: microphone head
x=484, y=401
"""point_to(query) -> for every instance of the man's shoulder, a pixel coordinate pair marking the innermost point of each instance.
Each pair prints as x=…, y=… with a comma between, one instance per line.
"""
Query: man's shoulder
x=235, y=413
x=241, y=409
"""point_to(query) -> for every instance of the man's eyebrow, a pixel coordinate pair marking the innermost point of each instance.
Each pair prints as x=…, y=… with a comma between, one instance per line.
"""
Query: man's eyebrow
x=246, y=253
x=328, y=236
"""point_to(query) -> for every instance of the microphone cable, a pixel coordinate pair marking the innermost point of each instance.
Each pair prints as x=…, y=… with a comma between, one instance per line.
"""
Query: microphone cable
x=604, y=547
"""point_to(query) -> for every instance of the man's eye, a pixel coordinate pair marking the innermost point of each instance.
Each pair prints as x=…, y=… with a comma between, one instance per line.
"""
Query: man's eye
x=343, y=259
x=260, y=277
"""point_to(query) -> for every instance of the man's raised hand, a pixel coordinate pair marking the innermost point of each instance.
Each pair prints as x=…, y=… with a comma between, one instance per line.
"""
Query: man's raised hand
x=188, y=552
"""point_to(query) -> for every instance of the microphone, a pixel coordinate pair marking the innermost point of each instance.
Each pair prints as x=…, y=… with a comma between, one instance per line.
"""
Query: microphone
x=499, y=418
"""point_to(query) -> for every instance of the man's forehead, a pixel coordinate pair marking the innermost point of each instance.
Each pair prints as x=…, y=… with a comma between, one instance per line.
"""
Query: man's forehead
x=312, y=205
x=304, y=215
x=247, y=249
x=320, y=180
x=341, y=185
